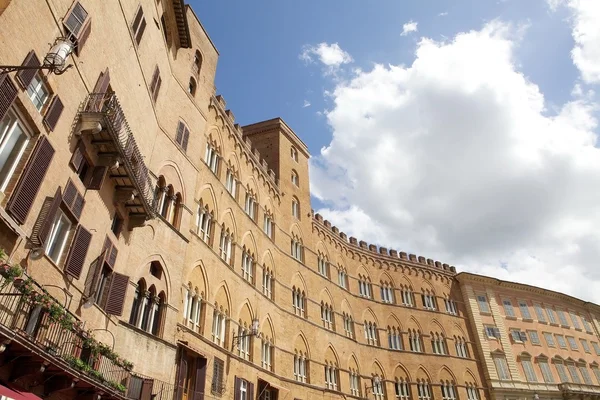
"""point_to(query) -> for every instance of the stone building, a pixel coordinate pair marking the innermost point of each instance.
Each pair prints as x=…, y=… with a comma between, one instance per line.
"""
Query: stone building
x=169, y=253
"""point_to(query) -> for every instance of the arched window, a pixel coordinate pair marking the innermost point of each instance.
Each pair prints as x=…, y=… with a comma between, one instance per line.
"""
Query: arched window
x=371, y=334
x=348, y=325
x=407, y=296
x=394, y=338
x=402, y=389
x=298, y=301
x=461, y=347
x=295, y=179
x=248, y=266
x=219, y=327
x=438, y=343
x=300, y=367
x=197, y=64
x=331, y=376
x=168, y=203
x=327, y=316
x=378, y=387
x=342, y=277
x=295, y=208
x=139, y=303
x=294, y=153
x=204, y=223
x=414, y=340
x=448, y=390
x=387, y=292
x=297, y=249
x=267, y=353
x=354, y=382
x=267, y=282
x=192, y=308
x=192, y=86
x=225, y=245
x=323, y=265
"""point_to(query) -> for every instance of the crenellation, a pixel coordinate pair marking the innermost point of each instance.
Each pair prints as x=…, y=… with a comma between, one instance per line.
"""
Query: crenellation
x=445, y=266
x=230, y=115
x=421, y=260
x=327, y=224
x=221, y=101
x=430, y=262
x=384, y=251
x=403, y=255
x=438, y=264
x=319, y=217
x=362, y=244
x=373, y=248
x=335, y=229
x=412, y=257
x=343, y=236
x=394, y=253
x=264, y=164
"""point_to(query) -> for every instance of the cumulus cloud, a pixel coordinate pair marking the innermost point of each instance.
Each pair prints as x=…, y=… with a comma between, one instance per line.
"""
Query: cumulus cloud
x=586, y=34
x=409, y=27
x=332, y=56
x=456, y=157
x=306, y=104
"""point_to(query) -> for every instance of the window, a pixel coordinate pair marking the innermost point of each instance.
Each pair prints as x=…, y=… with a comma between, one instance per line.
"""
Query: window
x=242, y=390
x=57, y=239
x=551, y=315
x=461, y=347
x=401, y=389
x=587, y=379
x=484, y=307
x=218, y=329
x=524, y=310
x=295, y=208
x=182, y=135
x=247, y=266
x=168, y=203
x=139, y=25
x=295, y=179
x=545, y=368
x=38, y=92
x=327, y=316
x=266, y=356
x=225, y=245
x=534, y=337
x=13, y=141
x=451, y=307
x=572, y=342
x=204, y=220
x=155, y=84
x=192, y=309
x=528, y=369
x=267, y=282
x=414, y=340
x=387, y=292
x=394, y=338
x=294, y=154
x=116, y=225
x=148, y=308
x=508, y=308
x=596, y=372
x=342, y=278
x=296, y=249
x=377, y=385
x=197, y=64
x=364, y=286
x=348, y=325
x=492, y=332
x=573, y=372
x=77, y=25
x=268, y=225
x=501, y=367
x=250, y=205
x=586, y=325
x=539, y=311
x=428, y=300
x=323, y=266
x=472, y=392
x=300, y=364
x=448, y=392
x=192, y=86
x=423, y=390
x=549, y=339
x=562, y=317
x=216, y=386
x=562, y=372
x=518, y=336
x=231, y=182
x=438, y=343
x=371, y=334
x=354, y=383
x=585, y=345
x=331, y=377
x=243, y=343
x=298, y=301
x=211, y=158
x=596, y=348
x=575, y=320
x=560, y=339
x=407, y=296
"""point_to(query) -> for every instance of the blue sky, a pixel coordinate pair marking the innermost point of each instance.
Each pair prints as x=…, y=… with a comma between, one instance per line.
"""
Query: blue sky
x=472, y=139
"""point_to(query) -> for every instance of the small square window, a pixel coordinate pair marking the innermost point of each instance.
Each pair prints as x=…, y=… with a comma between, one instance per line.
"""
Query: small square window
x=38, y=92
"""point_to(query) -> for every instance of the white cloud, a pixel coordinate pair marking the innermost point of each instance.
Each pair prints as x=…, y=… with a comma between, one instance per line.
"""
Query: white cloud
x=409, y=27
x=456, y=157
x=306, y=104
x=443, y=14
x=332, y=56
x=586, y=34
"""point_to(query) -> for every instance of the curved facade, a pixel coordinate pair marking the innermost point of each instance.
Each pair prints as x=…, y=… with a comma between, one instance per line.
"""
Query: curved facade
x=187, y=244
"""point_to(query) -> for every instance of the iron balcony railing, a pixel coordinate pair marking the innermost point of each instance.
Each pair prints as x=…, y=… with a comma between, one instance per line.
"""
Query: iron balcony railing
x=107, y=105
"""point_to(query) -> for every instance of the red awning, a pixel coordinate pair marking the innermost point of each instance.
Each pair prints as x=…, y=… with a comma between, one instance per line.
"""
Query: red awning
x=16, y=394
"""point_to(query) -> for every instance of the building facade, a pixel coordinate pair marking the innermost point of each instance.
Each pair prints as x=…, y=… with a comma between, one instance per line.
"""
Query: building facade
x=156, y=249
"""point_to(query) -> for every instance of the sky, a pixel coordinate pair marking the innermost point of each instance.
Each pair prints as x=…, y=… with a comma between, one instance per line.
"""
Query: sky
x=463, y=131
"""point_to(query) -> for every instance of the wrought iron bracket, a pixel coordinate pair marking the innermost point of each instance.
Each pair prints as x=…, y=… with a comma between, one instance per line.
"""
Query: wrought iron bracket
x=5, y=69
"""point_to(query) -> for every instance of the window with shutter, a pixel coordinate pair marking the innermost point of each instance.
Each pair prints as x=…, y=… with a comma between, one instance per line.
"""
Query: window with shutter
x=116, y=294
x=53, y=113
x=155, y=83
x=139, y=25
x=14, y=140
x=95, y=178
x=8, y=94
x=179, y=134
x=78, y=252
x=42, y=228
x=78, y=26
x=25, y=76
x=73, y=199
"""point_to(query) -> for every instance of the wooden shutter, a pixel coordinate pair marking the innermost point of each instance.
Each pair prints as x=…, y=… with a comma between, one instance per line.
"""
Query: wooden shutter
x=200, y=382
x=91, y=281
x=28, y=186
x=236, y=387
x=48, y=218
x=78, y=252
x=186, y=136
x=73, y=199
x=25, y=76
x=139, y=25
x=110, y=253
x=147, y=385
x=78, y=156
x=155, y=85
x=84, y=35
x=102, y=82
x=250, y=391
x=179, y=135
x=116, y=294
x=181, y=374
x=53, y=113
x=95, y=179
x=8, y=94
x=140, y=32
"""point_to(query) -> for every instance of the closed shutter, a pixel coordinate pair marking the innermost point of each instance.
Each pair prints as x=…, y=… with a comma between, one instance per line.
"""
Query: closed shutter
x=116, y=294
x=78, y=252
x=8, y=94
x=91, y=281
x=138, y=37
x=85, y=34
x=181, y=374
x=73, y=199
x=139, y=25
x=102, y=82
x=25, y=76
x=28, y=186
x=147, y=389
x=200, y=379
x=78, y=156
x=155, y=84
x=96, y=178
x=186, y=136
x=48, y=219
x=250, y=395
x=110, y=253
x=179, y=135
x=55, y=109
x=236, y=387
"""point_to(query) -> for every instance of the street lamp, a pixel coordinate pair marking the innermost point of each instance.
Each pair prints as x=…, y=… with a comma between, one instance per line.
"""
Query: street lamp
x=253, y=332
x=55, y=61
x=376, y=384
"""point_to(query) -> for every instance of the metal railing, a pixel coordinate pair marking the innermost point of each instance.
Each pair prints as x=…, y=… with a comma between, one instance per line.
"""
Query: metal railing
x=107, y=105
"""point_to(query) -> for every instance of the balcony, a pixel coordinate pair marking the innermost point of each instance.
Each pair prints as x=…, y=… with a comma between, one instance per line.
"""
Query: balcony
x=102, y=117
x=578, y=390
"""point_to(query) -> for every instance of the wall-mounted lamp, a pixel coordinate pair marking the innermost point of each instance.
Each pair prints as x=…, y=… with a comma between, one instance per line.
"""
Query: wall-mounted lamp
x=253, y=332
x=55, y=61
x=376, y=383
